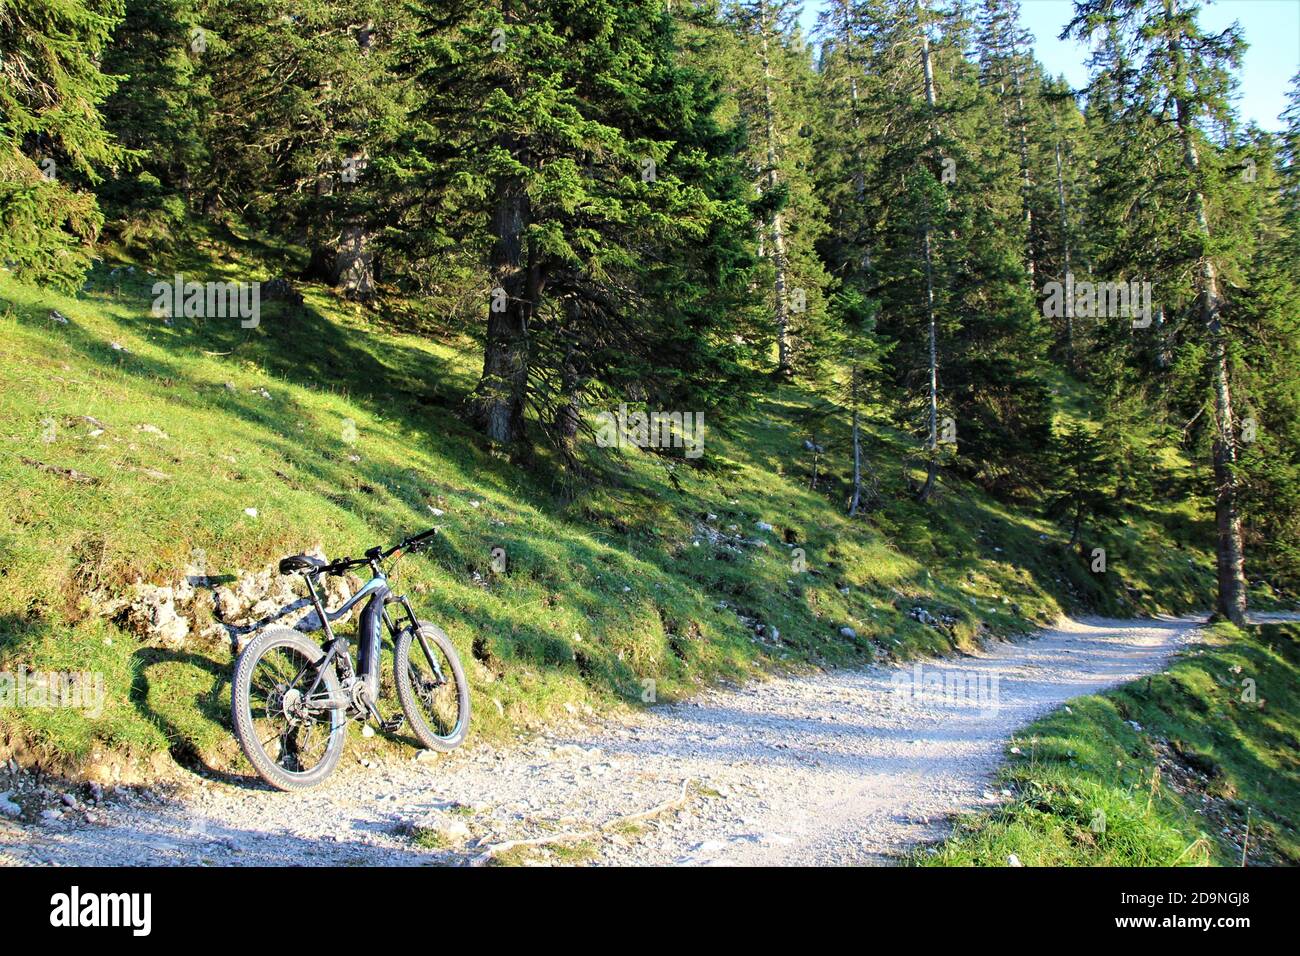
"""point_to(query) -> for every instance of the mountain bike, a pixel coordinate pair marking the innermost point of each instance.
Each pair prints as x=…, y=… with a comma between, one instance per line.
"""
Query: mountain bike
x=291, y=698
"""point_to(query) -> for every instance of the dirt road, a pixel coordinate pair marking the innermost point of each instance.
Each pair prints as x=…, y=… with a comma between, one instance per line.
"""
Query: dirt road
x=836, y=768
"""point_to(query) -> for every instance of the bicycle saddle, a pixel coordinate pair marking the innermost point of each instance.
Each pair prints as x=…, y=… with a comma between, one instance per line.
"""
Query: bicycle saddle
x=299, y=562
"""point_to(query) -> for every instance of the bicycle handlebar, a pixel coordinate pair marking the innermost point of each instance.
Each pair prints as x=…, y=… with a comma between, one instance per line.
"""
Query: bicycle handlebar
x=341, y=565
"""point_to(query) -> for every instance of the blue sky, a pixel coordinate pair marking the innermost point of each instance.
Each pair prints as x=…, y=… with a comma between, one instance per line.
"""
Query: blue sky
x=1271, y=28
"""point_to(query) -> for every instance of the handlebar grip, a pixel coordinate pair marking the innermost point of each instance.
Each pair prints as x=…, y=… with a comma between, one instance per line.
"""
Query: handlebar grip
x=411, y=541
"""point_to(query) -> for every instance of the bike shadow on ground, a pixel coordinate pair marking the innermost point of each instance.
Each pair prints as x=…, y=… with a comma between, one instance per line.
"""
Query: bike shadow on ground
x=208, y=679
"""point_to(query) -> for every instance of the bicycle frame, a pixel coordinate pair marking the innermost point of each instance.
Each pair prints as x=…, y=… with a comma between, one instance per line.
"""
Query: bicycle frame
x=369, y=632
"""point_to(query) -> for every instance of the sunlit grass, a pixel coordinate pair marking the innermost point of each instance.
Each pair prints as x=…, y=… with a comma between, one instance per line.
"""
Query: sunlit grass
x=1153, y=774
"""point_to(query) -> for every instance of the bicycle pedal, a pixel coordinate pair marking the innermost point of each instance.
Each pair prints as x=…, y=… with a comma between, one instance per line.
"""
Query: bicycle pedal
x=393, y=724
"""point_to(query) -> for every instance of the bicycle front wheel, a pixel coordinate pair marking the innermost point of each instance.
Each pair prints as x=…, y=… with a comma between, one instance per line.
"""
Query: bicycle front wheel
x=431, y=686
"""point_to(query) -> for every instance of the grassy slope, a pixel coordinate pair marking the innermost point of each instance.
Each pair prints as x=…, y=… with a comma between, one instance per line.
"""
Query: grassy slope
x=1207, y=760
x=603, y=591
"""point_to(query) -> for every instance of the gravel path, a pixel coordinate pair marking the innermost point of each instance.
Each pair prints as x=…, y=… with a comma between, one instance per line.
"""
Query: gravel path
x=845, y=767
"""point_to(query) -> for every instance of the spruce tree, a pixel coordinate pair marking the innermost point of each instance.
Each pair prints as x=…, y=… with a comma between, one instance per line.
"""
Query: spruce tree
x=1172, y=79
x=157, y=109
x=54, y=145
x=564, y=144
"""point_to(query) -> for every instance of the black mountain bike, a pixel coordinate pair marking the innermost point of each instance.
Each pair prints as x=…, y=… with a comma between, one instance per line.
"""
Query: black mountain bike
x=291, y=698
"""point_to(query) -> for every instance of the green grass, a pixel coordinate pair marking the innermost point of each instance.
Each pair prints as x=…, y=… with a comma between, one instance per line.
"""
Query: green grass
x=607, y=589
x=1218, y=750
x=428, y=838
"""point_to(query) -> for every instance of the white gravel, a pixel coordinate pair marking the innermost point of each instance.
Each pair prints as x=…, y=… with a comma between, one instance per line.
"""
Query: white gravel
x=832, y=768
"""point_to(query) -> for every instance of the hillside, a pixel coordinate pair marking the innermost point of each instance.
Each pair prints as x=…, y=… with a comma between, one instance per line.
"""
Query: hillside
x=144, y=452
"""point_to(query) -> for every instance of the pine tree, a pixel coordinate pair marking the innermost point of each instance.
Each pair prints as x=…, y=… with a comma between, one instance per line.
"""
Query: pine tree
x=157, y=109
x=565, y=144
x=1059, y=237
x=53, y=141
x=864, y=353
x=1004, y=67
x=937, y=236
x=772, y=79
x=1289, y=172
x=886, y=197
x=1171, y=78
x=302, y=100
x=1085, y=483
x=1265, y=317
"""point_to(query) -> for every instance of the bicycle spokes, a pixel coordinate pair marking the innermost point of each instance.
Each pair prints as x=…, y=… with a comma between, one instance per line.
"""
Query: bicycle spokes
x=435, y=688
x=293, y=735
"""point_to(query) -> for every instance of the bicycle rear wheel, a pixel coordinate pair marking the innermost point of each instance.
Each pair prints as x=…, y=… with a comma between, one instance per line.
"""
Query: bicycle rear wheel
x=291, y=746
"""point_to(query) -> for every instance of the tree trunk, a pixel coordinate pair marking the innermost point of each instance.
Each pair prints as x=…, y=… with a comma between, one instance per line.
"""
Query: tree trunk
x=1026, y=177
x=1065, y=247
x=857, y=448
x=568, y=416
x=320, y=267
x=354, y=263
x=859, y=177
x=497, y=404
x=781, y=313
x=932, y=444
x=1230, y=550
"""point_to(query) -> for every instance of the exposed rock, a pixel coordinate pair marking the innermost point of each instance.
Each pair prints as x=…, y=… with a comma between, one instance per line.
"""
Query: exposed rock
x=259, y=599
x=931, y=620
x=449, y=830
x=150, y=613
x=171, y=615
x=849, y=633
